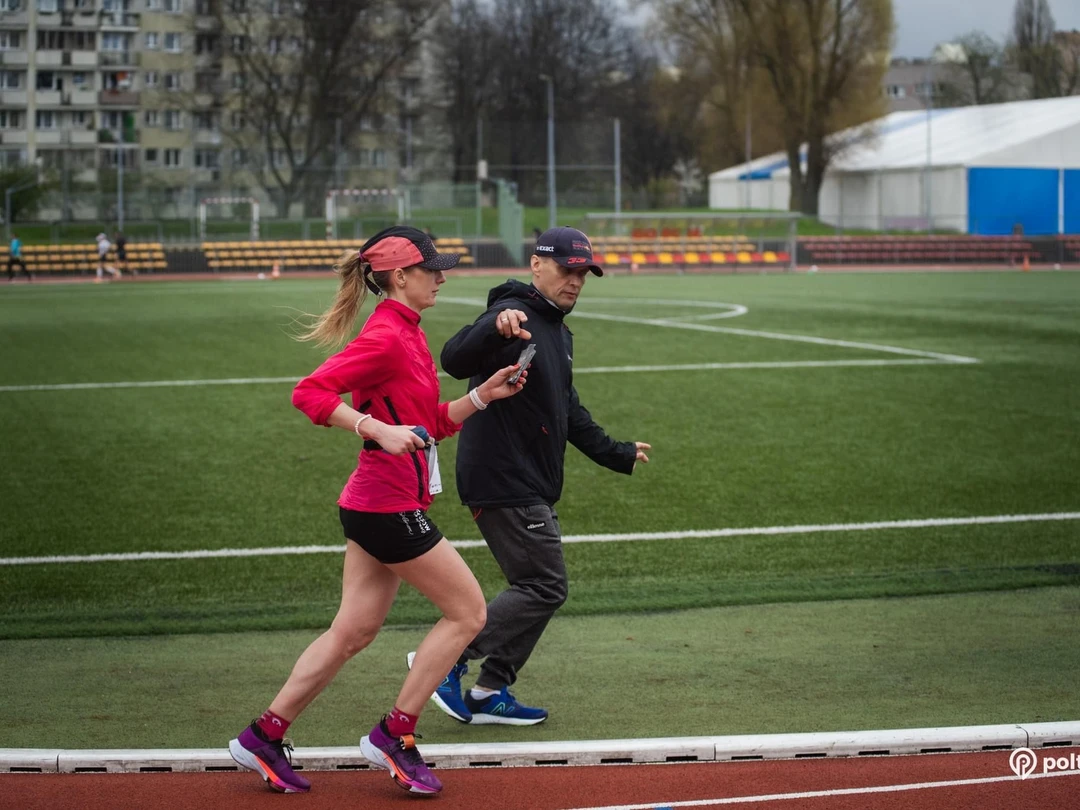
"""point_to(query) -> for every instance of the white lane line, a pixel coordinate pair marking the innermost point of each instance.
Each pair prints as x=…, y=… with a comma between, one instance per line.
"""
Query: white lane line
x=674, y=323
x=765, y=364
x=728, y=330
x=572, y=538
x=816, y=794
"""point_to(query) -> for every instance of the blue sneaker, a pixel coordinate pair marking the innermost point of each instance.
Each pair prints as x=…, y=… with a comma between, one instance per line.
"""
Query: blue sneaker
x=502, y=708
x=448, y=696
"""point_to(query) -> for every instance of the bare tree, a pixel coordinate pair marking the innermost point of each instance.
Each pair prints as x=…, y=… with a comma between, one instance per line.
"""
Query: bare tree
x=980, y=76
x=311, y=71
x=465, y=45
x=1068, y=44
x=825, y=60
x=1033, y=47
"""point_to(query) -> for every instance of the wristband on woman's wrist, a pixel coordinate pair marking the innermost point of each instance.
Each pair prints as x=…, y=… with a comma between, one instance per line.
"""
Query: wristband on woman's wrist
x=356, y=427
x=474, y=397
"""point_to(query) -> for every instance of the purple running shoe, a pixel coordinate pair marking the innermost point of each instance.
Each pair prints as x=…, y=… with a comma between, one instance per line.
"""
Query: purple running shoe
x=270, y=759
x=399, y=756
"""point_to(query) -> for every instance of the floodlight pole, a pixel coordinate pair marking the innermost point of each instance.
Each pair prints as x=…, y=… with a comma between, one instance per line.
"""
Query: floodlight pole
x=928, y=182
x=550, y=148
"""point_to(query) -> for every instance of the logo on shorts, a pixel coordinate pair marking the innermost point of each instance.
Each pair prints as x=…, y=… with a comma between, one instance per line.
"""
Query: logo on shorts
x=532, y=526
x=422, y=521
x=405, y=519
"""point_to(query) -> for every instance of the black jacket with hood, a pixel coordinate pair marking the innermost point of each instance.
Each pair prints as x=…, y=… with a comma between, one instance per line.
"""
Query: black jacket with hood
x=512, y=454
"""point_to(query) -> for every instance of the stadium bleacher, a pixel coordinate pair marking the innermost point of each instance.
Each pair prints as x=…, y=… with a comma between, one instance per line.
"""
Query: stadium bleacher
x=142, y=257
x=918, y=249
x=683, y=250
x=303, y=254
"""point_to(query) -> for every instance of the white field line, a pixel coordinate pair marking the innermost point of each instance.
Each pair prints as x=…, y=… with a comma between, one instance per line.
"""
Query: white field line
x=764, y=364
x=816, y=794
x=572, y=538
x=674, y=323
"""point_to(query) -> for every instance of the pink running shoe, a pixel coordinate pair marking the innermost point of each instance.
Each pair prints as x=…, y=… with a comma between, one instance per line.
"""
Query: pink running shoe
x=399, y=756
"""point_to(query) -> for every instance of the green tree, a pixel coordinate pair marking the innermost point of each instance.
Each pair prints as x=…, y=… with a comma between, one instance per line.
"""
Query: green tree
x=32, y=188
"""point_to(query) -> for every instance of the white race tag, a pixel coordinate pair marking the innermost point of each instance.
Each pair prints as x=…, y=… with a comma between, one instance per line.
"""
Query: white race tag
x=434, y=478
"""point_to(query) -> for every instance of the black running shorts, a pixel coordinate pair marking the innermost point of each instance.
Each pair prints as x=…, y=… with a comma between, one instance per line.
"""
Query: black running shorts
x=391, y=537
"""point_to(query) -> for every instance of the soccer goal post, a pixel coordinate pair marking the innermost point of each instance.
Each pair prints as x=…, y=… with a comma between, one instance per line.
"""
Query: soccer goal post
x=367, y=197
x=208, y=201
x=690, y=240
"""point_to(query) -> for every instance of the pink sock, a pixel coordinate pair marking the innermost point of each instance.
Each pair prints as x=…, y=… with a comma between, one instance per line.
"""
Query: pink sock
x=399, y=724
x=272, y=726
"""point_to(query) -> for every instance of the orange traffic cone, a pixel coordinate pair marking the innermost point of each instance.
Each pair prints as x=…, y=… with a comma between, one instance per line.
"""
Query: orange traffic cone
x=1027, y=264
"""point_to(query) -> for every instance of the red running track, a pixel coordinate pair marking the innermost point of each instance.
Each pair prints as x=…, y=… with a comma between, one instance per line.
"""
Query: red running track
x=842, y=784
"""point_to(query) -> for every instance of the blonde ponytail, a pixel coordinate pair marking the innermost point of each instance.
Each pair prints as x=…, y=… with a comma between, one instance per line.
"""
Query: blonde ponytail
x=336, y=325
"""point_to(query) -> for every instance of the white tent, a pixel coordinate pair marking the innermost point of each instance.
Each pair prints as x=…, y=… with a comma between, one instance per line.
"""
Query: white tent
x=987, y=169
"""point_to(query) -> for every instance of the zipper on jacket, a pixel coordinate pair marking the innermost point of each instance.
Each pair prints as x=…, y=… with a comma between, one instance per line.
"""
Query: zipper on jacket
x=414, y=454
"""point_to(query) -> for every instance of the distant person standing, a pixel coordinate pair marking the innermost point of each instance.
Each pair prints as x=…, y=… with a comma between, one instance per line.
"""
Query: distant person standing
x=121, y=252
x=103, y=248
x=15, y=257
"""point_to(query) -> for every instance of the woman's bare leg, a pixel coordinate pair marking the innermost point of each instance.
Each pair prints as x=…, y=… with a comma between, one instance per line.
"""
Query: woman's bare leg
x=443, y=577
x=367, y=591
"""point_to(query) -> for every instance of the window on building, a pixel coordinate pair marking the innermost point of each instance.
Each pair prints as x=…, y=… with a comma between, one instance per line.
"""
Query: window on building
x=150, y=79
x=150, y=157
x=10, y=5
x=378, y=157
x=48, y=6
x=10, y=80
x=206, y=158
x=80, y=118
x=11, y=119
x=152, y=41
x=10, y=40
x=173, y=158
x=173, y=42
x=204, y=120
x=112, y=119
x=174, y=6
x=153, y=5
x=113, y=41
x=238, y=6
x=236, y=120
x=173, y=80
x=150, y=118
x=239, y=81
x=80, y=80
x=46, y=80
x=204, y=7
x=239, y=43
x=46, y=119
x=173, y=119
x=273, y=45
x=239, y=157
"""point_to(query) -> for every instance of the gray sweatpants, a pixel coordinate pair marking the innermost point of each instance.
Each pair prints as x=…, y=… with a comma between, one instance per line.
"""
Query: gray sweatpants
x=527, y=543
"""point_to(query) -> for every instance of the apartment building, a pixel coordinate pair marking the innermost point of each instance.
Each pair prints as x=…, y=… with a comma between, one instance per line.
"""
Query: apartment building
x=156, y=85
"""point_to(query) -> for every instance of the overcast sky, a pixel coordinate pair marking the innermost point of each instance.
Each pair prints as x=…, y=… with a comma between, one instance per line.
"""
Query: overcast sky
x=921, y=24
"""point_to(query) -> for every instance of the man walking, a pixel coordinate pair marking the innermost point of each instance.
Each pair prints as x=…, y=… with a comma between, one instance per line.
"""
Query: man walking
x=510, y=468
x=15, y=258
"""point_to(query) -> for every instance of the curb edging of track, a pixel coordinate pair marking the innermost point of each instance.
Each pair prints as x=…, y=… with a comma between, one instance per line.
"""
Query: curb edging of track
x=584, y=752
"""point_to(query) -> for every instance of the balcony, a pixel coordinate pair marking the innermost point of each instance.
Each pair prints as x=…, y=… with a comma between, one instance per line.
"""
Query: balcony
x=119, y=21
x=83, y=98
x=14, y=136
x=84, y=19
x=14, y=57
x=204, y=22
x=207, y=137
x=108, y=136
x=15, y=19
x=208, y=61
x=118, y=98
x=49, y=58
x=47, y=98
x=118, y=58
x=13, y=98
x=48, y=137
x=81, y=137
x=84, y=58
